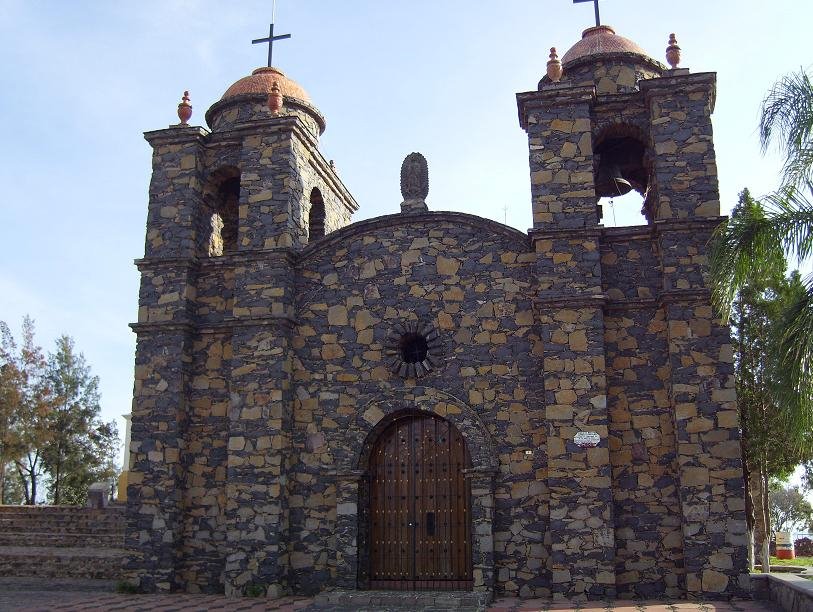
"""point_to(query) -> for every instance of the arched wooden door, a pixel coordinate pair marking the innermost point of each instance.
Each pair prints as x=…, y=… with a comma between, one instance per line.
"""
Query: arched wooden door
x=420, y=527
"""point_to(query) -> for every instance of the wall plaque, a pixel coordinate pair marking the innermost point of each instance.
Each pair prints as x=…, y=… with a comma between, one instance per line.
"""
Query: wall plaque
x=586, y=439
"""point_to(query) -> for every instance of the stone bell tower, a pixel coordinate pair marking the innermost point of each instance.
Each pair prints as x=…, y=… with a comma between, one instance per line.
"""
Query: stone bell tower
x=229, y=208
x=606, y=119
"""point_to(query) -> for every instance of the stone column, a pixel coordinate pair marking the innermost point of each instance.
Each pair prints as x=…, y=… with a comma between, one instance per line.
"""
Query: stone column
x=703, y=401
x=560, y=144
x=570, y=320
x=347, y=528
x=163, y=348
x=481, y=481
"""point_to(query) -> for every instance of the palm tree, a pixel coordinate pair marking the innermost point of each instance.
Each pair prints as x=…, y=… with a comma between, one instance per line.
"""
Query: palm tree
x=753, y=244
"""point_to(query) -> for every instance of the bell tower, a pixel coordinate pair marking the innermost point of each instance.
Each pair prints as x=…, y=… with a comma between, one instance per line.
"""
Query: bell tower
x=229, y=210
x=604, y=120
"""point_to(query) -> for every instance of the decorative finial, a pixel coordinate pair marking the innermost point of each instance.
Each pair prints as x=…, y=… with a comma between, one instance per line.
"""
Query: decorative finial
x=184, y=109
x=275, y=98
x=554, y=66
x=414, y=183
x=673, y=52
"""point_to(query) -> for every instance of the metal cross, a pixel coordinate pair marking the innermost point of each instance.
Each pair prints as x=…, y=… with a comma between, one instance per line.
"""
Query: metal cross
x=595, y=3
x=271, y=38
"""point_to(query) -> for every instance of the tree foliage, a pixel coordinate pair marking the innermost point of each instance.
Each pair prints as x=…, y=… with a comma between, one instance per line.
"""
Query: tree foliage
x=754, y=244
x=790, y=509
x=50, y=430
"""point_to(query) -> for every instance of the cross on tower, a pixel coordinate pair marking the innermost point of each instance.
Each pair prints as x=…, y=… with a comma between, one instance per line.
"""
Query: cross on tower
x=271, y=38
x=595, y=3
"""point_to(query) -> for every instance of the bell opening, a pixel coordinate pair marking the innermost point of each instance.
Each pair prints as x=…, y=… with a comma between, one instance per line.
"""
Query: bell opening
x=621, y=180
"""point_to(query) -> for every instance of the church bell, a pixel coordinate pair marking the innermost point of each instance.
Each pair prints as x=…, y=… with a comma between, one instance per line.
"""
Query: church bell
x=609, y=180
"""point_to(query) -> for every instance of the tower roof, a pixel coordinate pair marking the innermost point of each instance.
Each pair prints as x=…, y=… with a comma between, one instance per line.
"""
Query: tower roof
x=260, y=82
x=601, y=40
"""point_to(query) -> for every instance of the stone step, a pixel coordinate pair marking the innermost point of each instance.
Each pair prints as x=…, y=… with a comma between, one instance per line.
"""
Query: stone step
x=62, y=562
x=81, y=525
x=73, y=585
x=92, y=540
x=402, y=600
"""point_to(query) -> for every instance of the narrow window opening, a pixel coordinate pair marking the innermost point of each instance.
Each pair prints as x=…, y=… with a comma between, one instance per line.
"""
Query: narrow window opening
x=316, y=218
x=223, y=198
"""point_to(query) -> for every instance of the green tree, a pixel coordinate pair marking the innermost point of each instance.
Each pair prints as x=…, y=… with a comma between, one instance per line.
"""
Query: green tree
x=790, y=509
x=769, y=449
x=25, y=401
x=81, y=448
x=755, y=244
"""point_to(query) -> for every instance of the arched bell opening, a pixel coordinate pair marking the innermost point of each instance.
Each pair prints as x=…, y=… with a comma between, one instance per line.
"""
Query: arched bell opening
x=622, y=177
x=415, y=524
x=316, y=216
x=222, y=199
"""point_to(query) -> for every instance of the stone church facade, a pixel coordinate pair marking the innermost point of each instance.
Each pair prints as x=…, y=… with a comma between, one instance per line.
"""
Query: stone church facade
x=433, y=400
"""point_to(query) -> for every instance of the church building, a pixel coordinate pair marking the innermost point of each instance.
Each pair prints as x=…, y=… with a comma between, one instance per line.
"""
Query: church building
x=431, y=400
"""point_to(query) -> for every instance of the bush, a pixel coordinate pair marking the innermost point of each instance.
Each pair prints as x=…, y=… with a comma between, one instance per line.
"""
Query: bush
x=803, y=547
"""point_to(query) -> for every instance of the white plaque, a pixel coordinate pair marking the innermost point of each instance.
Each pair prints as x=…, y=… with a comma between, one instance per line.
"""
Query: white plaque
x=586, y=439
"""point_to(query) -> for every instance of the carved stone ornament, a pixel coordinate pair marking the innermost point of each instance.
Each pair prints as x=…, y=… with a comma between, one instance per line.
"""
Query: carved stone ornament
x=414, y=183
x=184, y=109
x=673, y=52
x=275, y=99
x=554, y=66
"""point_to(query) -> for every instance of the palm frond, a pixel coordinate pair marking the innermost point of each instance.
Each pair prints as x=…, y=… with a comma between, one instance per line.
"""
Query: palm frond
x=790, y=215
x=793, y=385
x=787, y=115
x=746, y=247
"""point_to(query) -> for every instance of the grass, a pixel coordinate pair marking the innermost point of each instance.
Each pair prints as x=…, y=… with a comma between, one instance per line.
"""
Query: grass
x=806, y=561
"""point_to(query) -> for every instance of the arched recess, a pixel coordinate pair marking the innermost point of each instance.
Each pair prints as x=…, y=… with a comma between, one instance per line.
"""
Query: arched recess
x=352, y=486
x=622, y=171
x=316, y=216
x=222, y=197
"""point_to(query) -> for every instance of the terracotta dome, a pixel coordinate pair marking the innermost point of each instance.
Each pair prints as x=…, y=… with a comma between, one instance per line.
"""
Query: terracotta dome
x=260, y=82
x=600, y=40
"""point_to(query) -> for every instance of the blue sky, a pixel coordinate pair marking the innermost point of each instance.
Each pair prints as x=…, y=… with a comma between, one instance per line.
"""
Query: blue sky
x=82, y=80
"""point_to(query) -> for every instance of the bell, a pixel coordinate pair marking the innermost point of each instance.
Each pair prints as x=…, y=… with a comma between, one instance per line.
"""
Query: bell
x=610, y=182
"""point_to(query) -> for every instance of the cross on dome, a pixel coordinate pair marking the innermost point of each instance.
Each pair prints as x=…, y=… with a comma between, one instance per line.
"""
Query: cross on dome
x=595, y=4
x=271, y=38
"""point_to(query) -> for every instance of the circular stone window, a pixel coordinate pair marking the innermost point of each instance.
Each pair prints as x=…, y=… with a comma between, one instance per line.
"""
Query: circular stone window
x=414, y=349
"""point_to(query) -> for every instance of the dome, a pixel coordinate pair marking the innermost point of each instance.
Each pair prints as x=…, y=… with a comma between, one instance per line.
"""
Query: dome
x=601, y=40
x=260, y=81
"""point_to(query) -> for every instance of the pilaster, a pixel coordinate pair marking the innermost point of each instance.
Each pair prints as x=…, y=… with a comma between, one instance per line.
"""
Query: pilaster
x=703, y=402
x=557, y=120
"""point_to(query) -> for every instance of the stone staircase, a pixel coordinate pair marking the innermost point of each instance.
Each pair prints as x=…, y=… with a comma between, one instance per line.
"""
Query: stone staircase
x=61, y=547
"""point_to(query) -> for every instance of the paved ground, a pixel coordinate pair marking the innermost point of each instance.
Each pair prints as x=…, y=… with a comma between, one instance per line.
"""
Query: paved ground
x=72, y=601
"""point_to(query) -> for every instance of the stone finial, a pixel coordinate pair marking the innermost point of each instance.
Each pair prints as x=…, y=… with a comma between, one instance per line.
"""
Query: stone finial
x=673, y=52
x=184, y=109
x=275, y=98
x=554, y=66
x=414, y=183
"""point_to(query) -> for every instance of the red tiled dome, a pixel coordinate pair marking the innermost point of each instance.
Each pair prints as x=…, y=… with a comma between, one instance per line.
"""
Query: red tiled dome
x=599, y=40
x=260, y=81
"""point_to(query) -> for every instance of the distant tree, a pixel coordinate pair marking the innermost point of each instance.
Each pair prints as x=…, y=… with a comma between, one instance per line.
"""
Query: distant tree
x=81, y=448
x=25, y=402
x=790, y=509
x=10, y=388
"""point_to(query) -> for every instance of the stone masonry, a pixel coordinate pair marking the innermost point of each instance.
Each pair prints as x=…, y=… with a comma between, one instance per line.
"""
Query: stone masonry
x=265, y=370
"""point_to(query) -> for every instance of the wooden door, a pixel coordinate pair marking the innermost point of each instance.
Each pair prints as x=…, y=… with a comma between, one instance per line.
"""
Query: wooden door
x=420, y=533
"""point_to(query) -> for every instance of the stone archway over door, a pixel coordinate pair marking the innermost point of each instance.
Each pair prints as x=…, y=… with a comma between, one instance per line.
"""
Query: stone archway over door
x=419, y=514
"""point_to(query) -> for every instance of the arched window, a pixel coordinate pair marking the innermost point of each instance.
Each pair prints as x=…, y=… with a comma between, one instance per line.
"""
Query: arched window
x=316, y=218
x=622, y=177
x=223, y=197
